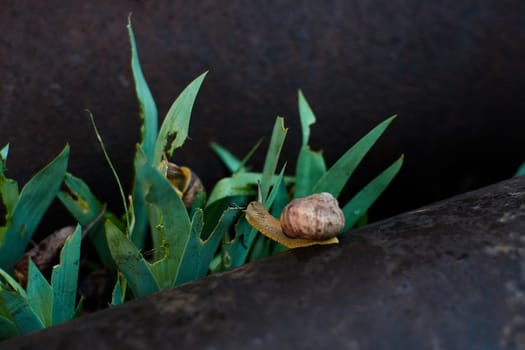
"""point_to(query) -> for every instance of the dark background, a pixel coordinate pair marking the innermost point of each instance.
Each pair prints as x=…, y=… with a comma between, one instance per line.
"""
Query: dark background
x=453, y=71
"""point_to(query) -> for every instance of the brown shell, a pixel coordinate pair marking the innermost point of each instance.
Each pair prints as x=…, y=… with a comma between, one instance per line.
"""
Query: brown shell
x=314, y=217
x=185, y=182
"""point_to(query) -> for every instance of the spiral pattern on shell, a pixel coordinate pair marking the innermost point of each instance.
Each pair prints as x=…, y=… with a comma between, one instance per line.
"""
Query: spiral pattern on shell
x=316, y=217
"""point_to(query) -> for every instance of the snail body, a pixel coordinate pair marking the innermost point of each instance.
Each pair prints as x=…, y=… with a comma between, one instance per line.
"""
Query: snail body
x=315, y=219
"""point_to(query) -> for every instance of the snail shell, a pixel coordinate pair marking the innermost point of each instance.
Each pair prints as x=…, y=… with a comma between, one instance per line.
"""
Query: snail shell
x=316, y=219
x=184, y=181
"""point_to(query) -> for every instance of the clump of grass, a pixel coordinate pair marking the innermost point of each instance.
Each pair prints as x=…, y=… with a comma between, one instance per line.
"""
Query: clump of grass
x=186, y=243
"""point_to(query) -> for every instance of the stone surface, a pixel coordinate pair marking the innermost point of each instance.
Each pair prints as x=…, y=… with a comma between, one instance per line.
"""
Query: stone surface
x=452, y=70
x=447, y=276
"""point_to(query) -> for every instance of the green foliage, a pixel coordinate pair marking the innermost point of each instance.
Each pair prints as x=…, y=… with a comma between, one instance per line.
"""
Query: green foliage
x=521, y=170
x=182, y=246
x=311, y=176
x=24, y=210
x=41, y=304
x=186, y=243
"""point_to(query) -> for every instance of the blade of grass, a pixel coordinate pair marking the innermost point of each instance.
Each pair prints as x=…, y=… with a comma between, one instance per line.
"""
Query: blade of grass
x=25, y=319
x=336, y=177
x=16, y=303
x=174, y=129
x=8, y=191
x=272, y=155
x=64, y=278
x=310, y=165
x=230, y=161
x=130, y=262
x=33, y=202
x=363, y=200
x=39, y=294
x=115, y=175
x=148, y=109
x=198, y=254
x=236, y=251
x=85, y=208
x=149, y=130
x=7, y=328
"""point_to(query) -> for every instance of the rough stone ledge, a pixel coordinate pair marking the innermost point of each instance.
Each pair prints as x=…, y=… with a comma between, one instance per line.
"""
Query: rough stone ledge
x=447, y=276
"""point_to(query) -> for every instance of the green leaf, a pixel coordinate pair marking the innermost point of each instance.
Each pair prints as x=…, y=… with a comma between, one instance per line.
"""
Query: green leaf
x=521, y=170
x=8, y=190
x=149, y=130
x=35, y=198
x=336, y=177
x=363, y=200
x=148, y=109
x=233, y=163
x=85, y=208
x=239, y=184
x=7, y=328
x=310, y=168
x=64, y=278
x=174, y=129
x=236, y=252
x=17, y=304
x=310, y=165
x=307, y=117
x=3, y=158
x=119, y=291
x=39, y=294
x=140, y=227
x=272, y=155
x=261, y=248
x=25, y=319
x=230, y=161
x=130, y=262
x=198, y=254
x=169, y=221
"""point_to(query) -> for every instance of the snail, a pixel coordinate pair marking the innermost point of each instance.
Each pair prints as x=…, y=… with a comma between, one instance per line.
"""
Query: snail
x=183, y=180
x=315, y=219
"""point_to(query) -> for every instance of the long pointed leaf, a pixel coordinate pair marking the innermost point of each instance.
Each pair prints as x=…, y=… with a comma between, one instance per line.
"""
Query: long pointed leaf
x=7, y=328
x=130, y=262
x=198, y=253
x=364, y=199
x=230, y=161
x=234, y=164
x=149, y=130
x=35, y=198
x=25, y=319
x=39, y=294
x=306, y=115
x=239, y=184
x=272, y=155
x=310, y=165
x=174, y=129
x=310, y=168
x=85, y=208
x=64, y=278
x=169, y=218
x=3, y=158
x=236, y=251
x=336, y=177
x=148, y=109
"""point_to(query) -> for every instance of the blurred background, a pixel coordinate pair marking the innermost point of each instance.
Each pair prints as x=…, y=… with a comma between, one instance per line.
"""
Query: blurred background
x=453, y=71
